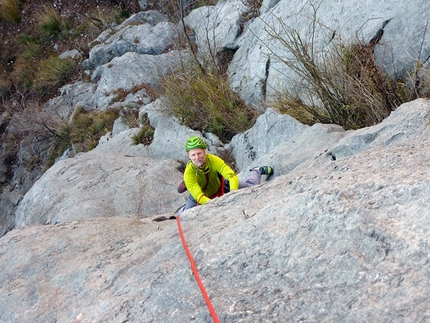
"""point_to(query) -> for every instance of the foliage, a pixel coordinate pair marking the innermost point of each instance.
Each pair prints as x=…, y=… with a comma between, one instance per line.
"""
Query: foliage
x=98, y=19
x=253, y=9
x=342, y=85
x=88, y=127
x=4, y=86
x=32, y=51
x=146, y=132
x=32, y=35
x=50, y=23
x=10, y=10
x=61, y=142
x=120, y=95
x=130, y=116
x=24, y=72
x=30, y=45
x=203, y=100
x=53, y=72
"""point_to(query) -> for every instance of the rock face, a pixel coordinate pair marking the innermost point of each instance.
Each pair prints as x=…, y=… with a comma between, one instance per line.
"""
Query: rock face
x=133, y=57
x=129, y=71
x=144, y=33
x=101, y=185
x=339, y=234
x=340, y=237
x=257, y=70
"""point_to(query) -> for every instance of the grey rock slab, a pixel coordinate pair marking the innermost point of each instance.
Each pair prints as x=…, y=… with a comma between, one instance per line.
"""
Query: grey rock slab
x=325, y=244
x=216, y=27
x=96, y=270
x=407, y=126
x=336, y=243
x=101, y=185
x=131, y=70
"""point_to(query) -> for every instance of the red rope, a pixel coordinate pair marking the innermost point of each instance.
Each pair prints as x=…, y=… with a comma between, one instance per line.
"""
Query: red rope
x=196, y=274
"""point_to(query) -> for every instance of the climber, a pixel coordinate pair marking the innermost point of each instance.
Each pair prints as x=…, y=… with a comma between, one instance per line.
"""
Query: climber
x=207, y=176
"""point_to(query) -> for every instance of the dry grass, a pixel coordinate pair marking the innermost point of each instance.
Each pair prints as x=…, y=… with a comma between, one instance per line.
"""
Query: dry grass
x=88, y=127
x=203, y=100
x=49, y=22
x=344, y=85
x=146, y=132
x=10, y=11
x=53, y=73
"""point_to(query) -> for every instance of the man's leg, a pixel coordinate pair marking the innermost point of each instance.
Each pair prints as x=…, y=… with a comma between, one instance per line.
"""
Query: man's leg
x=254, y=178
x=191, y=202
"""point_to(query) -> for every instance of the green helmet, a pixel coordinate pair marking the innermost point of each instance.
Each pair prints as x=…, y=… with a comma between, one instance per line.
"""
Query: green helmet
x=193, y=143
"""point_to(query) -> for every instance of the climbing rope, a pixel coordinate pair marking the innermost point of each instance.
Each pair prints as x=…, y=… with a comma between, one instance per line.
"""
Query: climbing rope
x=196, y=274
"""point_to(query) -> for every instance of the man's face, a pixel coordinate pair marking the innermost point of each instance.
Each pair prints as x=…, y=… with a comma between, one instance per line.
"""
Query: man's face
x=197, y=156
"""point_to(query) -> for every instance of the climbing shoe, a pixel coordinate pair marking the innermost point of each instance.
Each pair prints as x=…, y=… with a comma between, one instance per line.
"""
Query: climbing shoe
x=181, y=187
x=265, y=170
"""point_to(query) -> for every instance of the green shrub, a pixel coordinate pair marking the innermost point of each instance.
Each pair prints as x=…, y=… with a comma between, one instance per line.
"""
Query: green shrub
x=30, y=45
x=123, y=14
x=50, y=23
x=26, y=64
x=204, y=101
x=24, y=71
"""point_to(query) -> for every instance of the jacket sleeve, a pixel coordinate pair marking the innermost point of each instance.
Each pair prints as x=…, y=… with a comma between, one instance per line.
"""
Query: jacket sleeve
x=227, y=173
x=191, y=179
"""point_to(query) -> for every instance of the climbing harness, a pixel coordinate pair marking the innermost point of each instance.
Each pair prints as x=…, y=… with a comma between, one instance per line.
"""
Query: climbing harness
x=196, y=274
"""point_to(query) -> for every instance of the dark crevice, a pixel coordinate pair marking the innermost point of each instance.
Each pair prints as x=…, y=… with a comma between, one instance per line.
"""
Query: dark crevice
x=223, y=59
x=264, y=88
x=330, y=155
x=377, y=38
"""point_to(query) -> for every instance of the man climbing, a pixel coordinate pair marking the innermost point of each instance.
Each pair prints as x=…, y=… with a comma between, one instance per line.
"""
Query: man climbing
x=205, y=174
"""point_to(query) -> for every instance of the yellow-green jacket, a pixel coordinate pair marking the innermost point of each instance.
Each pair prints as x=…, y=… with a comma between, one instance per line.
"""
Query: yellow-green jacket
x=196, y=179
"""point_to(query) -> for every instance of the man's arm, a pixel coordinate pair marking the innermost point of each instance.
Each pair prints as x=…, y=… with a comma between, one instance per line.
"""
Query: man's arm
x=227, y=173
x=193, y=186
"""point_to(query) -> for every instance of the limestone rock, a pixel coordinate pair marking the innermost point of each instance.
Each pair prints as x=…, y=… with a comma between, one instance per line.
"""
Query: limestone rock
x=144, y=33
x=257, y=70
x=132, y=70
x=333, y=240
x=101, y=185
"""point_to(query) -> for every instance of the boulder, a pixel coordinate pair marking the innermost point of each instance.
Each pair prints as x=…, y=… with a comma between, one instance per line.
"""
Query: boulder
x=132, y=70
x=143, y=33
x=74, y=53
x=216, y=27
